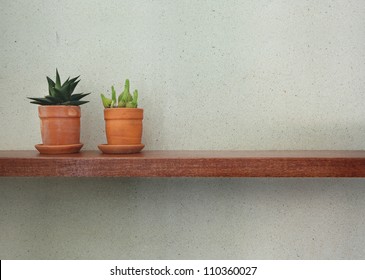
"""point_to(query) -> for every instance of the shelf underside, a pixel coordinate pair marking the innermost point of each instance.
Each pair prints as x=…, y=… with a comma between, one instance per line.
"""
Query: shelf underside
x=185, y=164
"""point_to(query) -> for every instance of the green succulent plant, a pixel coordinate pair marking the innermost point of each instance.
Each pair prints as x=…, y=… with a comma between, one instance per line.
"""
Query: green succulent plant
x=61, y=94
x=124, y=100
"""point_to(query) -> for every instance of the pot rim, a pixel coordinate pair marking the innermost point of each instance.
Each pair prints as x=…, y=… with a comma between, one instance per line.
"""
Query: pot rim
x=123, y=113
x=59, y=111
x=55, y=106
x=105, y=109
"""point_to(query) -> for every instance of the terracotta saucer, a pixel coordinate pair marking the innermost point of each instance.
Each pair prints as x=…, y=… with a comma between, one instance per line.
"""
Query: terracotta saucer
x=120, y=149
x=58, y=149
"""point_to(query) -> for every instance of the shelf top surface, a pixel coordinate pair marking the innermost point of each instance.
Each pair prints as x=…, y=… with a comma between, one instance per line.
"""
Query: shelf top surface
x=181, y=154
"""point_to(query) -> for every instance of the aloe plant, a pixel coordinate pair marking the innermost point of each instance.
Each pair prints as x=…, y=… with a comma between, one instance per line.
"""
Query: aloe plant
x=61, y=94
x=124, y=100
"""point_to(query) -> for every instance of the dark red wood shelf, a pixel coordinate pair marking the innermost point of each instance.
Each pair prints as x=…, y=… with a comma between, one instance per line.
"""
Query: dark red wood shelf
x=186, y=164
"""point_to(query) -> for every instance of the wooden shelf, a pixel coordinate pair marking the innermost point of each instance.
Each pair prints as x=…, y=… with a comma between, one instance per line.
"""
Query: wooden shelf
x=186, y=164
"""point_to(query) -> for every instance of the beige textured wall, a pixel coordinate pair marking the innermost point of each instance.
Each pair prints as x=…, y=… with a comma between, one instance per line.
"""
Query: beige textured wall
x=211, y=75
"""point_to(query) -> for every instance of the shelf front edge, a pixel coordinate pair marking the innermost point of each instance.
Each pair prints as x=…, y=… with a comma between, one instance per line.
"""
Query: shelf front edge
x=101, y=166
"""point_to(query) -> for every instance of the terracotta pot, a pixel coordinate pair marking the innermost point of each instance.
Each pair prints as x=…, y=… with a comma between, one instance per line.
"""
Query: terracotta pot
x=123, y=126
x=60, y=125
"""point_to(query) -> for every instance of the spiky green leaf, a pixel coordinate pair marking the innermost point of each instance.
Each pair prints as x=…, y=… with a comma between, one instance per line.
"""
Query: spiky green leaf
x=106, y=101
x=38, y=103
x=61, y=94
x=126, y=85
x=72, y=87
x=51, y=85
x=78, y=96
x=126, y=96
x=114, y=96
x=77, y=102
x=65, y=82
x=42, y=100
x=53, y=100
x=58, y=80
x=135, y=96
x=120, y=97
x=74, y=103
x=121, y=104
x=130, y=104
x=74, y=79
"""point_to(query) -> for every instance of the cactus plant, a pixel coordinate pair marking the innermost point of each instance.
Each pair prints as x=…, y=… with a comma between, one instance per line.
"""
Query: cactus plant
x=61, y=94
x=124, y=100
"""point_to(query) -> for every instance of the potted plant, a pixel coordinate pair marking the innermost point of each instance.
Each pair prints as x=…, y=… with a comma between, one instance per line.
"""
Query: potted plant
x=59, y=113
x=123, y=122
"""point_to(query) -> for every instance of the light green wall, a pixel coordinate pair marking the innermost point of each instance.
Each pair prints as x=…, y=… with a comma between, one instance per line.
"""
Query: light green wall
x=211, y=75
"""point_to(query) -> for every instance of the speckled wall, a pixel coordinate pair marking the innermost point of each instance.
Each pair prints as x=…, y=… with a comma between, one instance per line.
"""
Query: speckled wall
x=211, y=75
